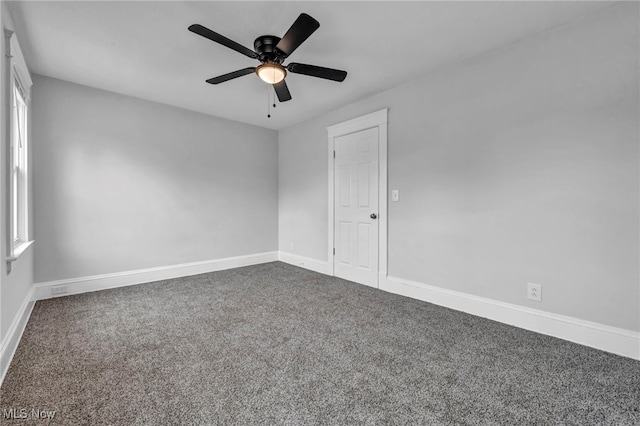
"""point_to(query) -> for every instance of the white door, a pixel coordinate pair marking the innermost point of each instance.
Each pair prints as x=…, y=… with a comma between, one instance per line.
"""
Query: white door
x=356, y=207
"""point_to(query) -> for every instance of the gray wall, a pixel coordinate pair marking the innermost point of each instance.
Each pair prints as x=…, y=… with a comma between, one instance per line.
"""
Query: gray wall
x=124, y=184
x=14, y=286
x=519, y=165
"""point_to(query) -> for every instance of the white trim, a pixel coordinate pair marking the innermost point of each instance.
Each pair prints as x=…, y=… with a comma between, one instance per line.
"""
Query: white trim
x=382, y=200
x=19, y=63
x=14, y=334
x=50, y=289
x=331, y=182
x=607, y=338
x=364, y=122
x=19, y=249
x=377, y=119
x=304, y=262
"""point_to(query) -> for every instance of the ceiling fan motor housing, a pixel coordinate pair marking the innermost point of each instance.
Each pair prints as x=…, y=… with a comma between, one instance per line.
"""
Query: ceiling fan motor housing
x=265, y=47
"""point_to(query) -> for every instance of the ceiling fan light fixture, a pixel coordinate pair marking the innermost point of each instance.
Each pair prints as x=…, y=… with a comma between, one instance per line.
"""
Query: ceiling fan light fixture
x=271, y=73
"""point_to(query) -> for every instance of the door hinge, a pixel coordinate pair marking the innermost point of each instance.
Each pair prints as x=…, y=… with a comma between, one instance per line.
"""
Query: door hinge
x=334, y=154
x=334, y=251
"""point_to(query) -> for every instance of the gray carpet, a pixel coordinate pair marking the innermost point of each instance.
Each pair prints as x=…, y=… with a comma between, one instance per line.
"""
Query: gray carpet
x=276, y=344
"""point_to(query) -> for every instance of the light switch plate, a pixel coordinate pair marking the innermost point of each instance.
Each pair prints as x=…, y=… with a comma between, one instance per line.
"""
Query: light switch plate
x=395, y=195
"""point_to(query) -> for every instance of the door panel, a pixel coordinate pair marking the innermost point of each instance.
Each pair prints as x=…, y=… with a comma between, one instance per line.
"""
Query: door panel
x=363, y=245
x=363, y=184
x=345, y=186
x=344, y=234
x=356, y=198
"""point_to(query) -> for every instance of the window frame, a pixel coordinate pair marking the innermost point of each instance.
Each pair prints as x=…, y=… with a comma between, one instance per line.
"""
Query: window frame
x=19, y=166
x=17, y=78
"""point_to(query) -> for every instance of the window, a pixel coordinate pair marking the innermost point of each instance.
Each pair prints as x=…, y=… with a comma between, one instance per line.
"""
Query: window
x=19, y=165
x=17, y=120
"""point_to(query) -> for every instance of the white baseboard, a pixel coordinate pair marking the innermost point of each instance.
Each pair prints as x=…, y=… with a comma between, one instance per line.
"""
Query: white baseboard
x=305, y=262
x=47, y=290
x=14, y=334
x=610, y=339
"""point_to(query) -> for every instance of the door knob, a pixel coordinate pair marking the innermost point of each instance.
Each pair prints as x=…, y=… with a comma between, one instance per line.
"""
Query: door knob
x=373, y=216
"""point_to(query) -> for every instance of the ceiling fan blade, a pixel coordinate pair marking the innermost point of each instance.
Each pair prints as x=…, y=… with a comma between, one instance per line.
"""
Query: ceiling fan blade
x=231, y=75
x=282, y=91
x=301, y=29
x=211, y=35
x=316, y=71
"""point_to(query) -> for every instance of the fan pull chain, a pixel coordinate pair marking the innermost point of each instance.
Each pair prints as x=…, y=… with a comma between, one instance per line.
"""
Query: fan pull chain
x=268, y=103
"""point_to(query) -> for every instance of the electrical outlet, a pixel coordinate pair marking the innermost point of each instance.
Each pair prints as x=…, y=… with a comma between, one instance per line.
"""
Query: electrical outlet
x=61, y=289
x=534, y=292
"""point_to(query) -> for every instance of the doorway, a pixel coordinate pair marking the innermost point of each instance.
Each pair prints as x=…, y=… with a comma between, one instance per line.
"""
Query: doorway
x=358, y=199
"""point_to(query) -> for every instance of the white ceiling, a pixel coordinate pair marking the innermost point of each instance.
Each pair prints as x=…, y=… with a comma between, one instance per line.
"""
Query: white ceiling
x=143, y=48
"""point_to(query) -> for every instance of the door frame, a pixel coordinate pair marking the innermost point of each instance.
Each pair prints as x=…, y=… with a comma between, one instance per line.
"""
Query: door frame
x=377, y=119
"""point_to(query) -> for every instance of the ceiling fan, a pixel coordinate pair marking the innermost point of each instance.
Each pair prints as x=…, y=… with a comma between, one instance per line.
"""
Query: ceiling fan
x=272, y=51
